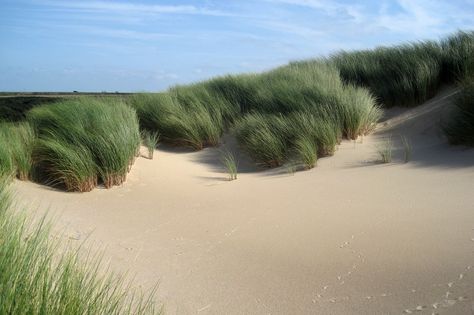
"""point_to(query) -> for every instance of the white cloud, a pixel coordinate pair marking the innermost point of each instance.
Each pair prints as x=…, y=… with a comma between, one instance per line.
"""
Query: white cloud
x=130, y=8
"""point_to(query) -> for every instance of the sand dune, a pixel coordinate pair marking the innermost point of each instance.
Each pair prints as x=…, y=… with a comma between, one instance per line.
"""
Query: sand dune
x=352, y=236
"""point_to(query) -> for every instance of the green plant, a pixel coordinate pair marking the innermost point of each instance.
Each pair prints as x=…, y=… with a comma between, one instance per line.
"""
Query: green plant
x=385, y=150
x=459, y=128
x=230, y=164
x=85, y=140
x=17, y=141
x=403, y=75
x=264, y=137
x=38, y=278
x=458, y=56
x=306, y=150
x=407, y=148
x=150, y=141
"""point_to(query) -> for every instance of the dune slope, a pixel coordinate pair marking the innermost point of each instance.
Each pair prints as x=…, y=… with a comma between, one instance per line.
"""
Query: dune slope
x=352, y=236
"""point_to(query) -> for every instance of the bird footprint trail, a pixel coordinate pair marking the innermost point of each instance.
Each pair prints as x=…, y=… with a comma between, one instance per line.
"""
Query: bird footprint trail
x=449, y=299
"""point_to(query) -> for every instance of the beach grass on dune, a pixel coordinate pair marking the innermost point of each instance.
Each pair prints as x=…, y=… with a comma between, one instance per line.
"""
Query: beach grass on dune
x=230, y=163
x=458, y=56
x=460, y=125
x=150, y=141
x=306, y=150
x=16, y=153
x=404, y=75
x=340, y=97
x=83, y=141
x=37, y=278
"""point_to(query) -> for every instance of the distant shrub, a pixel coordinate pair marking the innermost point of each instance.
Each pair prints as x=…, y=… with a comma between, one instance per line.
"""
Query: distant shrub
x=82, y=141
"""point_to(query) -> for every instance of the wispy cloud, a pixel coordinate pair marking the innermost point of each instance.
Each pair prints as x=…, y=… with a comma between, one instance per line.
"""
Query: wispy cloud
x=130, y=8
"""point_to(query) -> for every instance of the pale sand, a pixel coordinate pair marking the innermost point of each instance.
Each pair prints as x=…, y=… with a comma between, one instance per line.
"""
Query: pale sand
x=351, y=236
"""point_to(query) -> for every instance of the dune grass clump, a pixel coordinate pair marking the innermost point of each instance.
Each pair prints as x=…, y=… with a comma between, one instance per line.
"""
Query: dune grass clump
x=460, y=127
x=458, y=56
x=304, y=98
x=306, y=150
x=7, y=168
x=407, y=148
x=404, y=75
x=230, y=163
x=150, y=141
x=384, y=150
x=84, y=141
x=190, y=116
x=17, y=141
x=264, y=137
x=323, y=133
x=36, y=278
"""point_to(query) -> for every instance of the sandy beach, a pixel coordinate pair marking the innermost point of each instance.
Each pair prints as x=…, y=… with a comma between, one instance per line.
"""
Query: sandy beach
x=351, y=236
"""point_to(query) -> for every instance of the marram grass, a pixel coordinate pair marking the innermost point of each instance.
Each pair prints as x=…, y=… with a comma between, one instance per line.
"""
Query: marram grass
x=39, y=277
x=16, y=140
x=84, y=141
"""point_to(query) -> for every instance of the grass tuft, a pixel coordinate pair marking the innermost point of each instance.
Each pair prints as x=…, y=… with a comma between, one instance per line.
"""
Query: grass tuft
x=83, y=141
x=306, y=150
x=230, y=163
x=150, y=141
x=385, y=150
x=36, y=278
x=407, y=149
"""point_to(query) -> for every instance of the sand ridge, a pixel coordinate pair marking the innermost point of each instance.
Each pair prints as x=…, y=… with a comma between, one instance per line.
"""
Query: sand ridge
x=351, y=236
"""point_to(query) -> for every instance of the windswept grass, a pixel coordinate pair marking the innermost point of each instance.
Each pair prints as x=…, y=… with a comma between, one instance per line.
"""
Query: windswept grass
x=458, y=56
x=36, y=278
x=384, y=150
x=341, y=94
x=460, y=127
x=83, y=141
x=407, y=148
x=404, y=75
x=306, y=150
x=264, y=137
x=190, y=116
x=230, y=164
x=150, y=141
x=17, y=141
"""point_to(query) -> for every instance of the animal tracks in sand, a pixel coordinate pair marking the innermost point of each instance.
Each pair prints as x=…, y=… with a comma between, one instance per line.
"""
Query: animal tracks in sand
x=450, y=299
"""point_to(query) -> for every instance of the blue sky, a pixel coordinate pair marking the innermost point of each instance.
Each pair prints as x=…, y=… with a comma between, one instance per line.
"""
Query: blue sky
x=90, y=45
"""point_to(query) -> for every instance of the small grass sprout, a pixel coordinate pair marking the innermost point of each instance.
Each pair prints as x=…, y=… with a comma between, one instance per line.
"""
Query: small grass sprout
x=150, y=141
x=230, y=163
x=385, y=150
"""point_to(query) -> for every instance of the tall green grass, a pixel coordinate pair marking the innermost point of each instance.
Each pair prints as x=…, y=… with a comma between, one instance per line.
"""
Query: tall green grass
x=340, y=93
x=458, y=56
x=36, y=278
x=83, y=141
x=460, y=127
x=404, y=75
x=409, y=74
x=16, y=141
x=189, y=115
